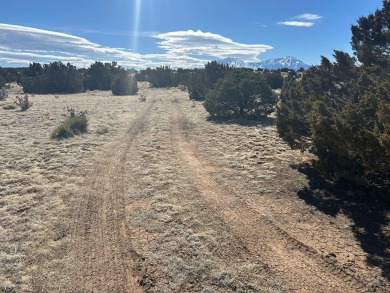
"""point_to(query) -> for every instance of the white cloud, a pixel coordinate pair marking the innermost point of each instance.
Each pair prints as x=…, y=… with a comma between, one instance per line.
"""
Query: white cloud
x=185, y=49
x=308, y=16
x=198, y=43
x=297, y=23
x=36, y=45
x=302, y=20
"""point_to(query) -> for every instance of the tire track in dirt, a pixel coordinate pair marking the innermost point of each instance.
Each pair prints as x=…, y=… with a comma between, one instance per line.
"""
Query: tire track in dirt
x=101, y=247
x=180, y=243
x=301, y=266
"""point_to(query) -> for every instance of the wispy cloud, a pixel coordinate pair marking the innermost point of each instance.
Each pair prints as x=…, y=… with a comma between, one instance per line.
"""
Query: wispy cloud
x=36, y=45
x=297, y=23
x=260, y=24
x=181, y=49
x=198, y=43
x=302, y=20
x=82, y=30
x=308, y=16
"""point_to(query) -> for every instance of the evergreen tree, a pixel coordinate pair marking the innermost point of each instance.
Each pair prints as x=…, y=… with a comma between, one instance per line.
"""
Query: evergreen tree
x=198, y=84
x=274, y=79
x=55, y=77
x=341, y=112
x=2, y=78
x=124, y=84
x=240, y=94
x=162, y=76
x=201, y=81
x=99, y=76
x=371, y=37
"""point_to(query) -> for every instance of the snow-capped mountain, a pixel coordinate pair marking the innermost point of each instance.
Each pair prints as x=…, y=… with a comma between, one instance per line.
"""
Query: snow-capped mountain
x=275, y=63
x=233, y=62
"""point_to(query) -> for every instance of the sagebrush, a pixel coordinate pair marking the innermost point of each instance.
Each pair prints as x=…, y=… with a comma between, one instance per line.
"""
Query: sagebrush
x=23, y=102
x=9, y=107
x=3, y=94
x=75, y=124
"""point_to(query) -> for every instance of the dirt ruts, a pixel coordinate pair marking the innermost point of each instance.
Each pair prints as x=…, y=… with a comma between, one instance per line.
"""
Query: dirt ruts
x=289, y=259
x=159, y=213
x=102, y=256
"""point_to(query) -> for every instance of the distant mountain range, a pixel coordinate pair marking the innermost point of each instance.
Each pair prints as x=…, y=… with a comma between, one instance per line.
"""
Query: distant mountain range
x=275, y=63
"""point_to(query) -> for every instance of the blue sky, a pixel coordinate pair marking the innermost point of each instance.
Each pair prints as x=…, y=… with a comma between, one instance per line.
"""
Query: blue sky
x=179, y=33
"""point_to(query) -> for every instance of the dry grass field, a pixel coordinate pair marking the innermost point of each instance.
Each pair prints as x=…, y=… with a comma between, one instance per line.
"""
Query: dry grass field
x=156, y=198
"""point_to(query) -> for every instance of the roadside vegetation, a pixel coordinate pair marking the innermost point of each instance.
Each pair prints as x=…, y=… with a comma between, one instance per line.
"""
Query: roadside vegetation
x=9, y=106
x=164, y=187
x=60, y=78
x=124, y=84
x=23, y=102
x=240, y=94
x=340, y=110
x=3, y=94
x=76, y=123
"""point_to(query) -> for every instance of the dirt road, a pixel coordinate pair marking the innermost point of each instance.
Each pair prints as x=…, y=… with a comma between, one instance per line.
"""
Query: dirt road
x=180, y=204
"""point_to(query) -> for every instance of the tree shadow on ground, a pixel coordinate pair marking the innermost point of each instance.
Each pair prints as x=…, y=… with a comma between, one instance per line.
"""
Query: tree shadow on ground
x=264, y=121
x=370, y=214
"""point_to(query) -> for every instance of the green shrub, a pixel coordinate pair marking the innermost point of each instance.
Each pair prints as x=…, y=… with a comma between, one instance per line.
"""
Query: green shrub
x=75, y=124
x=102, y=129
x=124, y=84
x=62, y=131
x=241, y=94
x=201, y=81
x=23, y=102
x=198, y=84
x=99, y=76
x=274, y=79
x=161, y=77
x=52, y=78
x=78, y=124
x=9, y=107
x=341, y=113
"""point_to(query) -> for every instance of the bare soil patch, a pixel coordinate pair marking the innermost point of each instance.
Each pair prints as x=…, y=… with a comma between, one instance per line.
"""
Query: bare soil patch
x=164, y=200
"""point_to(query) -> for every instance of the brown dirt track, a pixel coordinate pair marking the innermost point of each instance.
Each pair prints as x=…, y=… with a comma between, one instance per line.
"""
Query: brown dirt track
x=170, y=202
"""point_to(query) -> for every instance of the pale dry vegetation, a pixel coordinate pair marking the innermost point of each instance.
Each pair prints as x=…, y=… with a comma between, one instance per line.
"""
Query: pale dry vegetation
x=39, y=175
x=176, y=203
